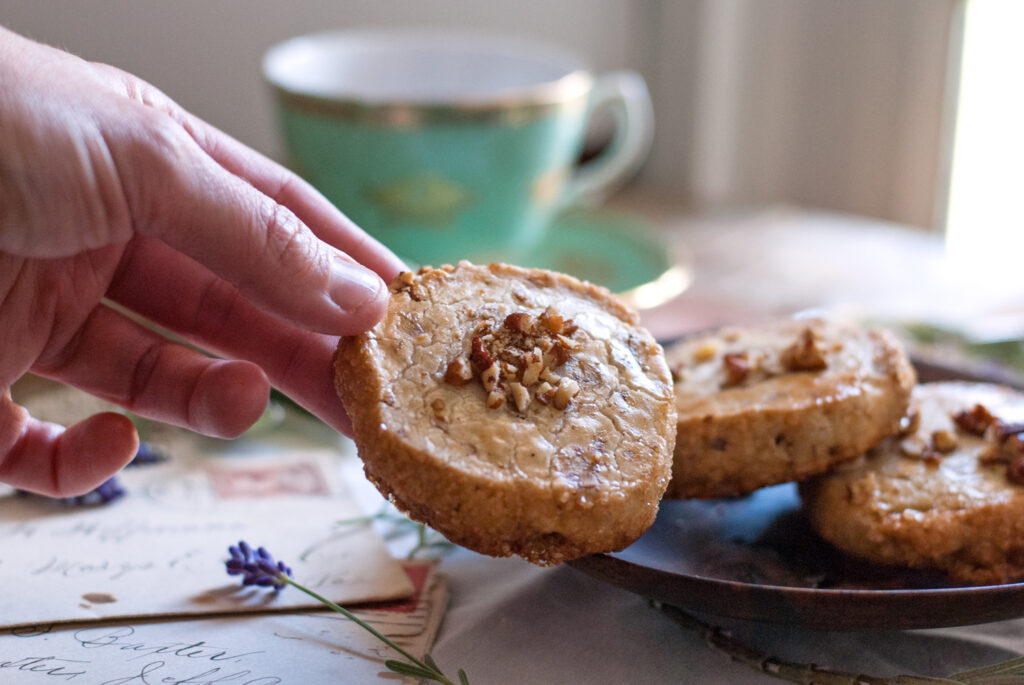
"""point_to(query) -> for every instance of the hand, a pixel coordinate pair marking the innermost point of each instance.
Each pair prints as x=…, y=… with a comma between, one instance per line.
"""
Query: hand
x=113, y=199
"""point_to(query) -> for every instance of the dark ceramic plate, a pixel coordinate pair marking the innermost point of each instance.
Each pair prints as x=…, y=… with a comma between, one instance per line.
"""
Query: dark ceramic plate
x=756, y=558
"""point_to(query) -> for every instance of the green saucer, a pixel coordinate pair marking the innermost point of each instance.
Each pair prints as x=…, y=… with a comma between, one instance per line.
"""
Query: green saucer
x=622, y=252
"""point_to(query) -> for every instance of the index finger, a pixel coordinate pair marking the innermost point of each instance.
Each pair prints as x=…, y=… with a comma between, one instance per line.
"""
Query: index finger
x=309, y=205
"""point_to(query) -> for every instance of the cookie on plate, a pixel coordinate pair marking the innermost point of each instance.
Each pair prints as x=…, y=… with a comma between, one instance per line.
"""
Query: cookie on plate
x=516, y=411
x=947, y=495
x=781, y=402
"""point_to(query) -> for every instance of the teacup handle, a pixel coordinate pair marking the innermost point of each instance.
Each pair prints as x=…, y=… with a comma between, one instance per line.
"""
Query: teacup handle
x=625, y=93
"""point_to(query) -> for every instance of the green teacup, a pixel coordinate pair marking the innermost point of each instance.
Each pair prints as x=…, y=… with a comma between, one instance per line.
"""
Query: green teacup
x=449, y=146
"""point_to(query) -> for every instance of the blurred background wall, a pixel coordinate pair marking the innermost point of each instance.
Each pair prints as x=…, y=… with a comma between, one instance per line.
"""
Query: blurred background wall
x=826, y=103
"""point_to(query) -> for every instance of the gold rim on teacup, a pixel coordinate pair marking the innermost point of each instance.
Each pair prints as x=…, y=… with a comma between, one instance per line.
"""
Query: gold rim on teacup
x=515, y=105
x=567, y=92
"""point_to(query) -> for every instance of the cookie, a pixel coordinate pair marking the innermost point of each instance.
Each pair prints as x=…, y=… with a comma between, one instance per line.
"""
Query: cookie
x=516, y=411
x=948, y=495
x=781, y=402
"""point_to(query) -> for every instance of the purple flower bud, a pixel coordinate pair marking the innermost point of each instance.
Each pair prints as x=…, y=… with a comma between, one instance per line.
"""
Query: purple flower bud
x=256, y=567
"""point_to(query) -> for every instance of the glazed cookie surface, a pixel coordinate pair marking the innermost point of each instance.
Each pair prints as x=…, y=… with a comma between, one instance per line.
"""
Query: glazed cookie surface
x=780, y=402
x=516, y=411
x=947, y=495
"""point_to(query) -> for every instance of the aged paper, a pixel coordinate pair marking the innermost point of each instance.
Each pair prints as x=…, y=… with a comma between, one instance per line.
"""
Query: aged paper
x=160, y=550
x=268, y=649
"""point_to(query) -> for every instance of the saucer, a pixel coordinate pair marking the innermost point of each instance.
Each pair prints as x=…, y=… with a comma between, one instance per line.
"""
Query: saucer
x=622, y=252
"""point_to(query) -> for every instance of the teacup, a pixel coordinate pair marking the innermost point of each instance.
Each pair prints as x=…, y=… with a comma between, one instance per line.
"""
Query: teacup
x=447, y=145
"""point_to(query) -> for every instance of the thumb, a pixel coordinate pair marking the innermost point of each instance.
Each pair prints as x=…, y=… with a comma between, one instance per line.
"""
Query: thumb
x=48, y=459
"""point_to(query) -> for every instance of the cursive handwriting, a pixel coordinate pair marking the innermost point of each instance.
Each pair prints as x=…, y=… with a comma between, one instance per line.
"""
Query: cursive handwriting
x=68, y=568
x=151, y=674
x=123, y=531
x=119, y=639
x=47, y=666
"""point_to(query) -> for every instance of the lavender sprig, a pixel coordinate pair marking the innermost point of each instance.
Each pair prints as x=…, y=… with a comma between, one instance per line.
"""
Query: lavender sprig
x=258, y=567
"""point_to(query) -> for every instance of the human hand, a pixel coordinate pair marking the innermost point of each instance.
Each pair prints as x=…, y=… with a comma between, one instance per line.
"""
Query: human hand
x=111, y=193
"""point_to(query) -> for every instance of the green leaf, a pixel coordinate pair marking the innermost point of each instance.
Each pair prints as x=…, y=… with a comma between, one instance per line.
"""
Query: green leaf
x=429, y=661
x=409, y=669
x=463, y=678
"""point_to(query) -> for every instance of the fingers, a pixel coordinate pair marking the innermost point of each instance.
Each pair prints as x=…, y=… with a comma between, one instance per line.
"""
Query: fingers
x=289, y=190
x=183, y=296
x=187, y=200
x=118, y=360
x=50, y=460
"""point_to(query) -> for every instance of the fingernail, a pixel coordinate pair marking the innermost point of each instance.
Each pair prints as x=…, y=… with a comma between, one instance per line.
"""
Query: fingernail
x=352, y=285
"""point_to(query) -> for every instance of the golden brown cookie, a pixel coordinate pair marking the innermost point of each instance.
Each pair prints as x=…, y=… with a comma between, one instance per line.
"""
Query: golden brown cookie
x=780, y=402
x=948, y=495
x=516, y=411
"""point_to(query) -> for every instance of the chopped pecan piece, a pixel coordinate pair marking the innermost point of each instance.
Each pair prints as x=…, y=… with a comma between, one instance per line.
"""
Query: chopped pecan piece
x=495, y=398
x=804, y=354
x=520, y=396
x=566, y=390
x=560, y=353
x=489, y=377
x=459, y=372
x=976, y=421
x=556, y=324
x=481, y=358
x=737, y=368
x=520, y=322
x=545, y=392
x=534, y=365
x=943, y=441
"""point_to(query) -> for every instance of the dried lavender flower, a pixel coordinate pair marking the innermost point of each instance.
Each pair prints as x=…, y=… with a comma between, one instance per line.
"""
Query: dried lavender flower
x=257, y=567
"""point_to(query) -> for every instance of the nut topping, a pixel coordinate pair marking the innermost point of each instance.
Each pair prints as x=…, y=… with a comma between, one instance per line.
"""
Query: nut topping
x=737, y=368
x=495, y=399
x=516, y=359
x=566, y=390
x=519, y=321
x=976, y=421
x=1005, y=440
x=805, y=354
x=521, y=396
x=489, y=377
x=943, y=441
x=459, y=372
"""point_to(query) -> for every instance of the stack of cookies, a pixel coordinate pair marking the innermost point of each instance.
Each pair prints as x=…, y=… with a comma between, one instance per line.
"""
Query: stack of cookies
x=928, y=476
x=520, y=411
